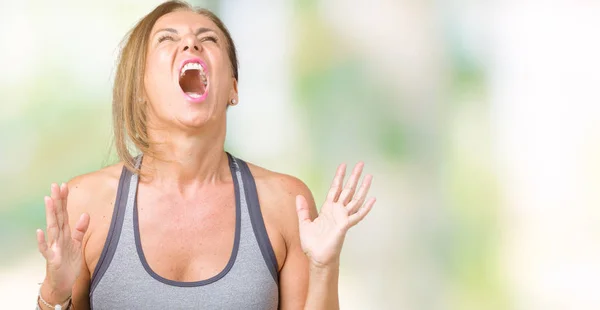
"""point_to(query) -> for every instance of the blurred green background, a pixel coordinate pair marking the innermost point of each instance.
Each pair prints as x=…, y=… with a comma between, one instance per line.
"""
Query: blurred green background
x=479, y=120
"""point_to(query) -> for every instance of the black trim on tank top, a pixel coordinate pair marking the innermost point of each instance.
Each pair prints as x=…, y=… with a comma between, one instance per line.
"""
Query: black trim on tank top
x=258, y=224
x=114, y=232
x=234, y=251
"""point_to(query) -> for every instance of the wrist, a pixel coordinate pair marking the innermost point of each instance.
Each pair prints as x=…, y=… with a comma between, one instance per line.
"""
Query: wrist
x=330, y=264
x=53, y=295
x=324, y=269
x=323, y=286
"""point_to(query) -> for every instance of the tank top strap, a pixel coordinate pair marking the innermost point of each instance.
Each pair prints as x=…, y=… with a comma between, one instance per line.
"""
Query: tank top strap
x=116, y=225
x=256, y=218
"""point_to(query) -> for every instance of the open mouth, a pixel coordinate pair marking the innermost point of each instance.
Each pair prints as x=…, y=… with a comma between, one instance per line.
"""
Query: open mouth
x=193, y=80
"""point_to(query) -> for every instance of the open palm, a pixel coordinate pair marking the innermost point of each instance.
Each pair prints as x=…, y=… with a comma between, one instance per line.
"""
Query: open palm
x=62, y=249
x=323, y=237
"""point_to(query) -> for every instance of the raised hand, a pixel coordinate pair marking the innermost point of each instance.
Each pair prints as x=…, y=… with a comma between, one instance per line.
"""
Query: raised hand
x=322, y=238
x=62, y=250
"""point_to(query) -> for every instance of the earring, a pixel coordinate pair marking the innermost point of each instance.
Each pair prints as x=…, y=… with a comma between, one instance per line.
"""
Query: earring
x=233, y=102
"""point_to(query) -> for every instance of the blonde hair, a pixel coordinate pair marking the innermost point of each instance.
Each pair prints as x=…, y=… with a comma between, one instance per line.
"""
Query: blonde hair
x=128, y=107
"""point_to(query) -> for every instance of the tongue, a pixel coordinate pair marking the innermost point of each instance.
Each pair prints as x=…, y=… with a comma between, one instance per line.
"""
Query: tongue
x=191, y=84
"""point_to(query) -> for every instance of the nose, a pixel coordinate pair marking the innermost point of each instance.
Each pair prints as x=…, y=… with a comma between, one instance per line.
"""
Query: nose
x=190, y=43
x=185, y=48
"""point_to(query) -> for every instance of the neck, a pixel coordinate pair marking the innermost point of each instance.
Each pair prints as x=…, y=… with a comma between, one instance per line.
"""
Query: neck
x=183, y=159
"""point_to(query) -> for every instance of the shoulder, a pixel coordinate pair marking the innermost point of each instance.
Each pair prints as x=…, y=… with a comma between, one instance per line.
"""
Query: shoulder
x=93, y=193
x=93, y=185
x=279, y=187
x=277, y=195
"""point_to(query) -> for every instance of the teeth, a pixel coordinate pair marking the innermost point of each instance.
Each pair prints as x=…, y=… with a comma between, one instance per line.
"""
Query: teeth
x=193, y=66
x=193, y=95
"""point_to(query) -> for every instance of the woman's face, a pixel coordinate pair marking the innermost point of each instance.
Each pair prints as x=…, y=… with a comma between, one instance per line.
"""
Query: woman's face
x=188, y=79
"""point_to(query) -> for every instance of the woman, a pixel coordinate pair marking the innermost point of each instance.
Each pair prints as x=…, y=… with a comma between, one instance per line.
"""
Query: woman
x=185, y=224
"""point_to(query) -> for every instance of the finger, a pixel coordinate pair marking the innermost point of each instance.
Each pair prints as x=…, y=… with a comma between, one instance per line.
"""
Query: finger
x=51, y=225
x=302, y=210
x=41, y=241
x=81, y=228
x=64, y=193
x=336, y=185
x=350, y=187
x=55, y=194
x=361, y=213
x=361, y=195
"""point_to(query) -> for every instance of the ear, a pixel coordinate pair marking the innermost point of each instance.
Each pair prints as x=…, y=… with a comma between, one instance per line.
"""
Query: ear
x=234, y=91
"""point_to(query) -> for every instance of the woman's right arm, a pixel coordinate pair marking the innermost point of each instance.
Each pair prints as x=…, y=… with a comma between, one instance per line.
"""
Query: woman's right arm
x=67, y=275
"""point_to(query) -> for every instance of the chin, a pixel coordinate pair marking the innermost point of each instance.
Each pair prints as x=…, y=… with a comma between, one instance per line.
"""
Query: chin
x=196, y=118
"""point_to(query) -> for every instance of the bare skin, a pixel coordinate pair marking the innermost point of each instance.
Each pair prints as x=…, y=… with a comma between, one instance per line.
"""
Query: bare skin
x=194, y=185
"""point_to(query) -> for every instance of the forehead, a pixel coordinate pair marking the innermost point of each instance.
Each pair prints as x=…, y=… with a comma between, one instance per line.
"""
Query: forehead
x=182, y=20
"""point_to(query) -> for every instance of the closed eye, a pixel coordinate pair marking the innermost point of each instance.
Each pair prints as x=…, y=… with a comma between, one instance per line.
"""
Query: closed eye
x=209, y=38
x=165, y=37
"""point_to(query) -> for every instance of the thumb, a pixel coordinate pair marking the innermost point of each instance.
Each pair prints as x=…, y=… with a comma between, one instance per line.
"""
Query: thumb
x=302, y=209
x=81, y=227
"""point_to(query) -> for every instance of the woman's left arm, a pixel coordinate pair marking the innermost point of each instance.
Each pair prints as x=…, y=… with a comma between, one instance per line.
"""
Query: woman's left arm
x=309, y=276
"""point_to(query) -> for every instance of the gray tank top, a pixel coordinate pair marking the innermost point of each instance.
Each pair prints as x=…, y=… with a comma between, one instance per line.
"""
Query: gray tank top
x=124, y=280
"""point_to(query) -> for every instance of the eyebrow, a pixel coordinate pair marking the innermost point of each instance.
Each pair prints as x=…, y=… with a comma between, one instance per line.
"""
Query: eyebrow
x=198, y=31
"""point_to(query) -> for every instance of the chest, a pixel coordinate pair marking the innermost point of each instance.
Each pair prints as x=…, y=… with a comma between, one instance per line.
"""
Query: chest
x=184, y=240
x=187, y=239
